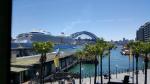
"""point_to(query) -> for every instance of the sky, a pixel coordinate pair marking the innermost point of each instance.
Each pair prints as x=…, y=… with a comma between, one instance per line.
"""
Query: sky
x=110, y=19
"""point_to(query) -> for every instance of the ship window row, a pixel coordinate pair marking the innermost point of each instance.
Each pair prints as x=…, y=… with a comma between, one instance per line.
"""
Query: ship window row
x=23, y=52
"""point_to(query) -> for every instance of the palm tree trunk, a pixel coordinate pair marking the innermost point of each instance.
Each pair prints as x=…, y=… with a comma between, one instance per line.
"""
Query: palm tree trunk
x=43, y=71
x=129, y=65
x=41, y=75
x=80, y=72
x=146, y=65
x=133, y=70
x=98, y=71
x=95, y=69
x=109, y=66
x=101, y=71
x=44, y=66
x=137, y=69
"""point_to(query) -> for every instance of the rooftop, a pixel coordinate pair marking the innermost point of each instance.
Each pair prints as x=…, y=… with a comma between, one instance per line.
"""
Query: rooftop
x=17, y=69
x=31, y=60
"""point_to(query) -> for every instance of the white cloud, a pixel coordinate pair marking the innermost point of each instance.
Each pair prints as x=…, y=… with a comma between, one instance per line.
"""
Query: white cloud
x=115, y=20
x=73, y=24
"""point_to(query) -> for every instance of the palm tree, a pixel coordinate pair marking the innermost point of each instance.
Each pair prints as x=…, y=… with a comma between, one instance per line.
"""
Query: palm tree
x=145, y=51
x=42, y=48
x=91, y=50
x=110, y=47
x=130, y=47
x=83, y=55
x=80, y=54
x=95, y=50
x=101, y=47
x=137, y=51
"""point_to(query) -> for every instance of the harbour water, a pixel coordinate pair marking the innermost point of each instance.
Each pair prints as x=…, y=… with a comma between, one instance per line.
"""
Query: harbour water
x=117, y=60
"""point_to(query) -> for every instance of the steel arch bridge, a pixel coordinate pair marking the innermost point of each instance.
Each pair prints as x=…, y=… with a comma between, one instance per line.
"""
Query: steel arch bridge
x=93, y=36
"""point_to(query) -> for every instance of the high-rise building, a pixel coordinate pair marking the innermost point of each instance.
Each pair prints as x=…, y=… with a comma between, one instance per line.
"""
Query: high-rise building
x=147, y=31
x=123, y=39
x=143, y=34
x=140, y=34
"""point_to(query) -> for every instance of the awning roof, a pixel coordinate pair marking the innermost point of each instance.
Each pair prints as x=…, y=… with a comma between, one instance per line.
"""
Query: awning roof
x=31, y=60
x=18, y=69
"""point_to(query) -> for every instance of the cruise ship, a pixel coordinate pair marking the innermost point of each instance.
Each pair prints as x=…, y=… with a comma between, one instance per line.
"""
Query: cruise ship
x=42, y=36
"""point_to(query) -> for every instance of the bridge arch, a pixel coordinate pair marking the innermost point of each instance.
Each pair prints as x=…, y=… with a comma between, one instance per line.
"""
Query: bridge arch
x=93, y=36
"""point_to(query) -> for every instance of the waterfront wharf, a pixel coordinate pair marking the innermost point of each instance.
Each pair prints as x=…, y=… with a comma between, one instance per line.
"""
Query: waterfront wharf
x=25, y=68
x=28, y=61
x=62, y=70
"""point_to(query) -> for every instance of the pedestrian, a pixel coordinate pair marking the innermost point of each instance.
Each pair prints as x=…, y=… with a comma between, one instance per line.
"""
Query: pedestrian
x=73, y=81
x=11, y=81
x=143, y=71
x=30, y=82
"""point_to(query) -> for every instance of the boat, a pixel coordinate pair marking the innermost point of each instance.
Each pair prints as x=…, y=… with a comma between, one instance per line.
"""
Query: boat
x=74, y=47
x=125, y=52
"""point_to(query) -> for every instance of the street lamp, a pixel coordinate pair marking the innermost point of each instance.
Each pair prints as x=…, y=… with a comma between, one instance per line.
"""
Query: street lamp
x=63, y=81
x=37, y=75
x=143, y=67
x=116, y=70
x=90, y=76
x=82, y=72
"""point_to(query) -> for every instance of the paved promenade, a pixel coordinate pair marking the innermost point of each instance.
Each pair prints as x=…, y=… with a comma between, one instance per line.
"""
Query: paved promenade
x=119, y=78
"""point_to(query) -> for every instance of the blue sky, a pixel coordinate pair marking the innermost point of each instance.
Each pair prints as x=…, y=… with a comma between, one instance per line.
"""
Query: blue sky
x=110, y=19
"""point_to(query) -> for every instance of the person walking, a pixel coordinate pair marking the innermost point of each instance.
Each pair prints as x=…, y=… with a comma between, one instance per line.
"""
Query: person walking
x=73, y=81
